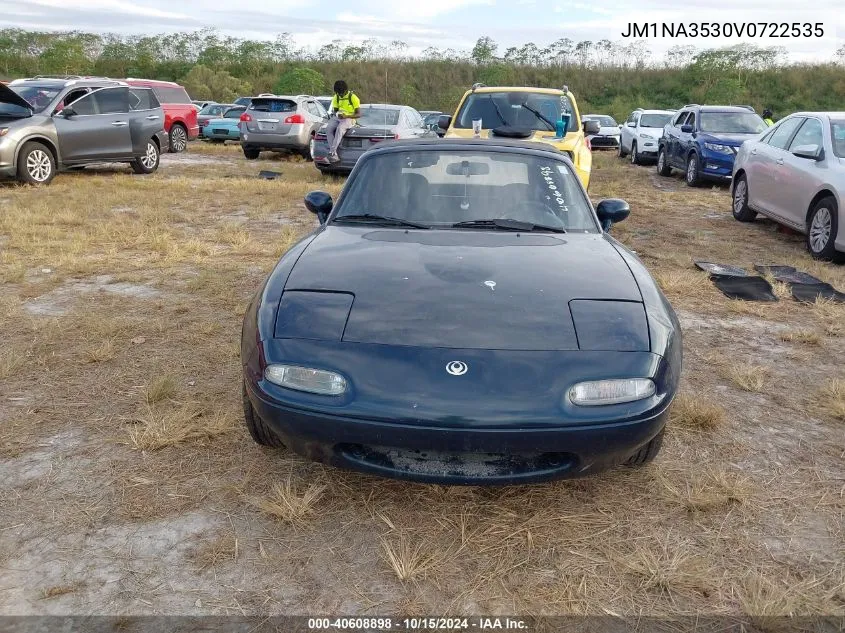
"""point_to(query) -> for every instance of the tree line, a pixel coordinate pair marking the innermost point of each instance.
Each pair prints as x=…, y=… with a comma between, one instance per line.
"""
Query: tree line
x=609, y=77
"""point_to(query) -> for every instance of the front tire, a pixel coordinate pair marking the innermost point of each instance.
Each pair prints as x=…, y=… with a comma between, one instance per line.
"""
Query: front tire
x=258, y=429
x=663, y=167
x=693, y=174
x=178, y=138
x=635, y=157
x=620, y=151
x=36, y=165
x=741, y=210
x=147, y=163
x=251, y=154
x=822, y=230
x=648, y=452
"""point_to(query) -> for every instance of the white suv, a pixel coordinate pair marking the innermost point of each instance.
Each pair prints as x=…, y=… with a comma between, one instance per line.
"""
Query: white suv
x=641, y=132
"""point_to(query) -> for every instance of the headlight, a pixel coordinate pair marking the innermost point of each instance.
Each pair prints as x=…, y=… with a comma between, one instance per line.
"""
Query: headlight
x=718, y=147
x=599, y=392
x=327, y=383
x=648, y=136
x=4, y=131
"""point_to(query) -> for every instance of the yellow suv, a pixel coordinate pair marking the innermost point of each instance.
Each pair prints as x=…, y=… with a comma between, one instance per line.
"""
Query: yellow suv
x=525, y=113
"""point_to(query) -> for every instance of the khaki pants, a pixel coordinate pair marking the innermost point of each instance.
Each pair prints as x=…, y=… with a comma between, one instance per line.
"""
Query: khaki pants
x=335, y=131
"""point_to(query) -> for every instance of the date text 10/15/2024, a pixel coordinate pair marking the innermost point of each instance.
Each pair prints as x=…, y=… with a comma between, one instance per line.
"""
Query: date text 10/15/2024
x=724, y=29
x=371, y=624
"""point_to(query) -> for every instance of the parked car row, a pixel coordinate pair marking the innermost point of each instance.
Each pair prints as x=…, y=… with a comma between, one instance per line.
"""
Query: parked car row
x=792, y=172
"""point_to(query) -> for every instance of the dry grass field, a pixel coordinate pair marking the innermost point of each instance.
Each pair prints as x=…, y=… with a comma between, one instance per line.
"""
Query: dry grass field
x=129, y=485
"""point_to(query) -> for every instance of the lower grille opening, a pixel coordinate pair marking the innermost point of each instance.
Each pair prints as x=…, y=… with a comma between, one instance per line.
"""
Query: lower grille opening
x=458, y=464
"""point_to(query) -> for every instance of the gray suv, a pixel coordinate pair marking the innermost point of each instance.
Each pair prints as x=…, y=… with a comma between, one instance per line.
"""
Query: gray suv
x=49, y=124
x=281, y=123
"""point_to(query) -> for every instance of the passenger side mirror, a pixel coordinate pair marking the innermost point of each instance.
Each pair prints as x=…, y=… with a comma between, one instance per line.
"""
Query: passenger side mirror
x=612, y=211
x=687, y=129
x=320, y=203
x=591, y=127
x=444, y=121
x=67, y=112
x=811, y=152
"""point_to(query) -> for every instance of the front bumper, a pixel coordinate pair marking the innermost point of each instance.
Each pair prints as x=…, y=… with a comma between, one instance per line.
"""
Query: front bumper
x=647, y=147
x=716, y=165
x=455, y=456
x=604, y=142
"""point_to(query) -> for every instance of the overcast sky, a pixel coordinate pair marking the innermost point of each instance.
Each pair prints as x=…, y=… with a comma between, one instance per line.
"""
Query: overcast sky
x=439, y=23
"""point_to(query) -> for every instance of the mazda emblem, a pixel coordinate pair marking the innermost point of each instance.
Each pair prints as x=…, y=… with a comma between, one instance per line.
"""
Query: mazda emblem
x=457, y=368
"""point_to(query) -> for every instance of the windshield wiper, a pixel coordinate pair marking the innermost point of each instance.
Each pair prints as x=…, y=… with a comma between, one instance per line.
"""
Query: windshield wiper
x=507, y=224
x=498, y=112
x=372, y=218
x=539, y=116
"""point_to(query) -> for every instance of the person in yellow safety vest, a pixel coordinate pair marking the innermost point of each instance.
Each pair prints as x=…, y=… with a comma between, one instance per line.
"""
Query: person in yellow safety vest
x=767, y=117
x=346, y=107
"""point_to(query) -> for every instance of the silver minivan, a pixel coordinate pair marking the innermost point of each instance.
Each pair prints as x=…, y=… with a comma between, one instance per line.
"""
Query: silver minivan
x=281, y=124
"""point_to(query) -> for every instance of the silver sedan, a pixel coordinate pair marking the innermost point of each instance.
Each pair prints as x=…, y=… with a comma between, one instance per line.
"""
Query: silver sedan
x=794, y=173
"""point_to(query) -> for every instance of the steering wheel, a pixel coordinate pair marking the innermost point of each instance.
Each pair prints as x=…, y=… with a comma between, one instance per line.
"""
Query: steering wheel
x=535, y=212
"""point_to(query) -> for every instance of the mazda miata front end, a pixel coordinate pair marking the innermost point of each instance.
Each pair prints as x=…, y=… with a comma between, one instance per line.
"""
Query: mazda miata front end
x=462, y=316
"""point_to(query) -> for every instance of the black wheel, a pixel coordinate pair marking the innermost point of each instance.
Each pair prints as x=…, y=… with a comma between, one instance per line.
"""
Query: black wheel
x=635, y=157
x=147, y=163
x=178, y=138
x=258, y=429
x=251, y=154
x=741, y=210
x=620, y=151
x=36, y=165
x=663, y=167
x=648, y=452
x=693, y=175
x=822, y=229
x=308, y=152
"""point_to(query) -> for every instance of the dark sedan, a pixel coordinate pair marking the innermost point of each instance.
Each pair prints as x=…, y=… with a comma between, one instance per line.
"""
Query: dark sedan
x=462, y=316
x=377, y=123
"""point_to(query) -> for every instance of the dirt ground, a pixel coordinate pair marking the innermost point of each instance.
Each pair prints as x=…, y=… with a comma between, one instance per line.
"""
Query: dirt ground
x=129, y=485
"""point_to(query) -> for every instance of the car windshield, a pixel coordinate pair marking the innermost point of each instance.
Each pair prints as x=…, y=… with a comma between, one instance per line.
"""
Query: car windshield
x=439, y=188
x=211, y=109
x=371, y=115
x=654, y=120
x=533, y=110
x=732, y=123
x=39, y=97
x=604, y=121
x=837, y=135
x=234, y=113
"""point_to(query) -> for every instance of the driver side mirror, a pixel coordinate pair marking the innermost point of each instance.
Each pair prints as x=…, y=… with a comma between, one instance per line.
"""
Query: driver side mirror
x=631, y=124
x=812, y=152
x=444, y=121
x=319, y=203
x=687, y=129
x=67, y=112
x=591, y=127
x=612, y=211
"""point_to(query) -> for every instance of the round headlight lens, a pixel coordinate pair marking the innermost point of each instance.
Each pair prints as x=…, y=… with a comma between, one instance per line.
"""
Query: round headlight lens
x=600, y=392
x=327, y=383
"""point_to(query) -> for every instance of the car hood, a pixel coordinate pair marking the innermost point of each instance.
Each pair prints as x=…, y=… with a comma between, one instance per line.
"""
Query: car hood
x=567, y=143
x=7, y=95
x=610, y=130
x=734, y=140
x=470, y=289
